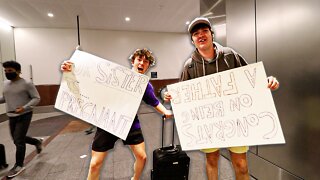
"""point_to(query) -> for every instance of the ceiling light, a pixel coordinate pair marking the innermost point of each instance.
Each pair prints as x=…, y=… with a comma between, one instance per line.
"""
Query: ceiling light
x=50, y=15
x=127, y=19
x=188, y=22
x=3, y=21
x=5, y=24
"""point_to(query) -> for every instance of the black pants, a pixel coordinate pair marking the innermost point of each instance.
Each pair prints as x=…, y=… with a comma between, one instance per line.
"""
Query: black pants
x=18, y=128
x=2, y=155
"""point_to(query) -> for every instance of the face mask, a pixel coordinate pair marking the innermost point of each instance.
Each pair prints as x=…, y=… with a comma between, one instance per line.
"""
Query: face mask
x=11, y=75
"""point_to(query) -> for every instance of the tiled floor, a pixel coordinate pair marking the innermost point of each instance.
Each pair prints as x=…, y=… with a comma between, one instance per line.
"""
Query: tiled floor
x=66, y=154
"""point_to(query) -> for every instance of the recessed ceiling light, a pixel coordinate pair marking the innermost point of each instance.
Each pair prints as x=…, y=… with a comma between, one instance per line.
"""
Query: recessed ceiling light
x=5, y=22
x=127, y=19
x=5, y=25
x=188, y=22
x=50, y=15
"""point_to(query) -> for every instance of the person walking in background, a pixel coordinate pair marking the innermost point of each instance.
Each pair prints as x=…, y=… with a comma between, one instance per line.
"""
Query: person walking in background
x=20, y=97
x=208, y=58
x=103, y=141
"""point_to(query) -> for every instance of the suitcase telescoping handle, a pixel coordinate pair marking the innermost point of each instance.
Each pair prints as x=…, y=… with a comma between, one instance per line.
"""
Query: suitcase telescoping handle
x=163, y=117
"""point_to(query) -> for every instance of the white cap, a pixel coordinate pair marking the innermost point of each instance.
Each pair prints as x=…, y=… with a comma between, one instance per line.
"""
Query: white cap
x=198, y=20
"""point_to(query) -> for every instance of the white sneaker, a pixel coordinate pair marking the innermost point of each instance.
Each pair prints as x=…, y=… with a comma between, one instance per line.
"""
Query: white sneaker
x=39, y=146
x=15, y=171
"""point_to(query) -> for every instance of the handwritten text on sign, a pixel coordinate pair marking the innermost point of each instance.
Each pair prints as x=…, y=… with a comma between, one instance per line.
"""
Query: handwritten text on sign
x=102, y=93
x=231, y=108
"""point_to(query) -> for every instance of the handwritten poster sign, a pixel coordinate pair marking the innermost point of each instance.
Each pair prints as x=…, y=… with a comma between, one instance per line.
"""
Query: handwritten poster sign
x=231, y=108
x=102, y=93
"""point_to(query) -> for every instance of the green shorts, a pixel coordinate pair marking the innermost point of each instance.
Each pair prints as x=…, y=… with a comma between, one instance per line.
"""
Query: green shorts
x=238, y=149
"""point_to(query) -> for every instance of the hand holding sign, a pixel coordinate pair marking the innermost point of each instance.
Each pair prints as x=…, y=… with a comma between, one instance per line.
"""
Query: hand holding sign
x=66, y=66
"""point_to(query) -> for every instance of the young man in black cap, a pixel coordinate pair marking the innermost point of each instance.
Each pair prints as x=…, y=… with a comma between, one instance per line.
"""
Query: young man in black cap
x=208, y=58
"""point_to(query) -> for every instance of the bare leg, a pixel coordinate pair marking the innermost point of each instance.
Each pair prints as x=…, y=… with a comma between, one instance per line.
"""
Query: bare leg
x=139, y=152
x=240, y=165
x=212, y=165
x=95, y=164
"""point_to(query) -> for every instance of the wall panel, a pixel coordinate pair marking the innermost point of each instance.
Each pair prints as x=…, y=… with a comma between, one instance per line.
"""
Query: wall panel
x=287, y=40
x=7, y=52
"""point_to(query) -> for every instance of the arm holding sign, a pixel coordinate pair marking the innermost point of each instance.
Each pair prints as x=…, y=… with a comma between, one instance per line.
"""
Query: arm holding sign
x=150, y=98
x=161, y=109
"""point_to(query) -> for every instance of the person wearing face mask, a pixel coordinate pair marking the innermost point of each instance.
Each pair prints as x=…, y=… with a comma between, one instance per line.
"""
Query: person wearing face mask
x=20, y=97
x=141, y=60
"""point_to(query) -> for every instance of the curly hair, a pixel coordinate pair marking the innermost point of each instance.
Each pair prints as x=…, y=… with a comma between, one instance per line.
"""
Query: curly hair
x=12, y=64
x=144, y=52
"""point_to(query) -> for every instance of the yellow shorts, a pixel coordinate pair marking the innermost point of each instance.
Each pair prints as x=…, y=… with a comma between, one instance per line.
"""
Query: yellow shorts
x=238, y=149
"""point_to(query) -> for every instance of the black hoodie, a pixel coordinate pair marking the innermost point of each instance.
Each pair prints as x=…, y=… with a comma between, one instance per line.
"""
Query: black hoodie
x=225, y=59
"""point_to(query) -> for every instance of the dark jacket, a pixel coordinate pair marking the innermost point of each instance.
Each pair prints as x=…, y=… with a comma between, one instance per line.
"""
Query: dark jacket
x=225, y=59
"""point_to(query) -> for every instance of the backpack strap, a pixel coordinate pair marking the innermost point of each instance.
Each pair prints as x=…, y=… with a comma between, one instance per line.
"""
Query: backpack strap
x=239, y=61
x=236, y=55
x=189, y=66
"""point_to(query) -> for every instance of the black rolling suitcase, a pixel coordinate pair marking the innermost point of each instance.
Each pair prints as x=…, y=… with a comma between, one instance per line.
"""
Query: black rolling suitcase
x=3, y=162
x=170, y=162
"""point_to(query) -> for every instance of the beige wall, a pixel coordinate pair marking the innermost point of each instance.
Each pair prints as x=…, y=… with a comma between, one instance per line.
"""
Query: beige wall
x=6, y=52
x=45, y=49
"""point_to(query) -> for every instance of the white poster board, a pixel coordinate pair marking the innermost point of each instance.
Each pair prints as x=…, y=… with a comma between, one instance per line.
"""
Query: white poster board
x=231, y=108
x=102, y=93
